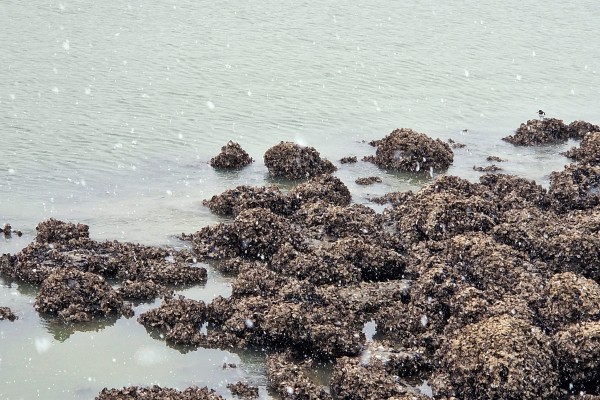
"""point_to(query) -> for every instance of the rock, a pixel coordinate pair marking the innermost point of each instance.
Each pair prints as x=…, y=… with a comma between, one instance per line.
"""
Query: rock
x=290, y=380
x=495, y=159
x=291, y=161
x=588, y=151
x=409, y=151
x=501, y=357
x=578, y=353
x=567, y=299
x=326, y=188
x=76, y=296
x=8, y=231
x=233, y=201
x=368, y=180
x=576, y=187
x=243, y=390
x=578, y=129
x=349, y=160
x=157, y=393
x=7, y=314
x=232, y=156
x=147, y=290
x=54, y=231
x=456, y=145
x=487, y=168
x=537, y=132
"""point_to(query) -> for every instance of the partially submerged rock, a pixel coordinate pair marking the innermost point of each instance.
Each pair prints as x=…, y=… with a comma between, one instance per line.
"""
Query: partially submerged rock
x=7, y=314
x=540, y=131
x=326, y=188
x=76, y=296
x=158, y=393
x=233, y=201
x=487, y=168
x=8, y=231
x=588, y=151
x=243, y=390
x=410, y=151
x=368, y=180
x=142, y=290
x=349, y=160
x=575, y=187
x=232, y=156
x=495, y=159
x=292, y=161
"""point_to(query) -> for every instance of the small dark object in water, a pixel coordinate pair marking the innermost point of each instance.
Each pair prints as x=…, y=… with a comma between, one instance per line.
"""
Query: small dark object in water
x=495, y=159
x=243, y=390
x=6, y=313
x=8, y=231
x=488, y=168
x=542, y=114
x=230, y=365
x=349, y=160
x=456, y=145
x=232, y=156
x=368, y=180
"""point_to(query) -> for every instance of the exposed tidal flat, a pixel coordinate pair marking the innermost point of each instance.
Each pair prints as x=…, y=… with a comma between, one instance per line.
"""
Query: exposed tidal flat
x=111, y=112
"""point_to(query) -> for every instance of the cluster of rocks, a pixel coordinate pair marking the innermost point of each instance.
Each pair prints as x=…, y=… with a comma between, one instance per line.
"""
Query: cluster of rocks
x=588, y=151
x=232, y=156
x=158, y=393
x=549, y=130
x=369, y=180
x=7, y=314
x=410, y=151
x=72, y=269
x=243, y=390
x=479, y=288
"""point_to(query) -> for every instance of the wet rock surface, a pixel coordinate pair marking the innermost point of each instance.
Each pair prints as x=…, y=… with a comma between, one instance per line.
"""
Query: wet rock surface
x=7, y=314
x=292, y=161
x=232, y=156
x=410, y=151
x=243, y=390
x=578, y=353
x=158, y=393
x=369, y=180
x=588, y=151
x=549, y=130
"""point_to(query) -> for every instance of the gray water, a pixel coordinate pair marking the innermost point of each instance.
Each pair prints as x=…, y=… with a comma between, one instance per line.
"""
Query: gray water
x=109, y=112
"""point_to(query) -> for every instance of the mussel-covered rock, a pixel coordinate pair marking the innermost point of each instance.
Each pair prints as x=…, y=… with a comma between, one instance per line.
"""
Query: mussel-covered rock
x=52, y=231
x=498, y=358
x=410, y=151
x=326, y=188
x=76, y=296
x=369, y=180
x=142, y=290
x=243, y=390
x=349, y=160
x=575, y=187
x=7, y=314
x=579, y=129
x=588, y=151
x=290, y=379
x=578, y=353
x=292, y=161
x=234, y=201
x=158, y=393
x=540, y=131
x=232, y=156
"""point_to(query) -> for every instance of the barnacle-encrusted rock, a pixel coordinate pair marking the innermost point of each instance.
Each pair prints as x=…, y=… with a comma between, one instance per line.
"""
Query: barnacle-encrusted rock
x=76, y=296
x=142, y=290
x=407, y=150
x=579, y=129
x=539, y=131
x=498, y=358
x=495, y=159
x=336, y=221
x=575, y=187
x=292, y=161
x=232, y=156
x=578, y=354
x=158, y=393
x=349, y=160
x=7, y=314
x=588, y=151
x=234, y=201
x=353, y=380
x=368, y=180
x=487, y=168
x=568, y=298
x=52, y=230
x=291, y=380
x=326, y=188
x=174, y=311
x=243, y=390
x=509, y=192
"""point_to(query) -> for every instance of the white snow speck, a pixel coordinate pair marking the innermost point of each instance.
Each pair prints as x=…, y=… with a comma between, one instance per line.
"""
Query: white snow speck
x=210, y=105
x=290, y=390
x=169, y=193
x=11, y=171
x=467, y=73
x=424, y=320
x=519, y=77
x=12, y=96
x=55, y=89
x=147, y=356
x=42, y=344
x=249, y=93
x=249, y=323
x=431, y=172
x=66, y=45
x=180, y=136
x=88, y=91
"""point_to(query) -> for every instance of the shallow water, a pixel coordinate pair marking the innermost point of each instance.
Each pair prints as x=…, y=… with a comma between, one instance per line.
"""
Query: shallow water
x=110, y=111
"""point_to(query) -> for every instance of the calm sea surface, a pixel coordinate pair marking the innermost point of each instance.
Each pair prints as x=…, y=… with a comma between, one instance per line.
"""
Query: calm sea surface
x=110, y=111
